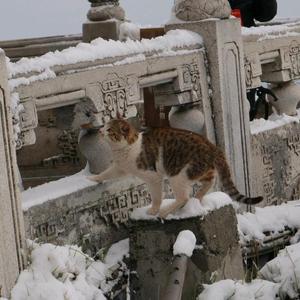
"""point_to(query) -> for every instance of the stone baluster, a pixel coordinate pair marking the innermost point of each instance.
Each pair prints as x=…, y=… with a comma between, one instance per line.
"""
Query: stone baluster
x=104, y=19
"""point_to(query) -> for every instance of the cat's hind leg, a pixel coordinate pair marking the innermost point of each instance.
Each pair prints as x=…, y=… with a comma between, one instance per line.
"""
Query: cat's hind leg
x=206, y=181
x=181, y=190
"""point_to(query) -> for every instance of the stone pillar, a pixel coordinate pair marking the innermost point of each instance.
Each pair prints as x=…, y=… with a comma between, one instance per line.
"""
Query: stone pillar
x=217, y=253
x=104, y=19
x=11, y=218
x=224, y=46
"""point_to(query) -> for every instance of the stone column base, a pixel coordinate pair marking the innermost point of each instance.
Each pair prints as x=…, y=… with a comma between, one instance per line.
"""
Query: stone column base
x=104, y=29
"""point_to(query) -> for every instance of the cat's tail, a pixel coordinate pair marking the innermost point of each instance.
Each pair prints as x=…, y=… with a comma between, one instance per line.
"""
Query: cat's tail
x=228, y=185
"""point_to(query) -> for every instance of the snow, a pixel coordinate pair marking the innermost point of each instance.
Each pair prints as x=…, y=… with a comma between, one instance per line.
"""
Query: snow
x=238, y=290
x=97, y=49
x=274, y=121
x=280, y=277
x=193, y=207
x=285, y=270
x=185, y=243
x=273, y=31
x=129, y=31
x=66, y=273
x=54, y=189
x=268, y=219
x=116, y=252
x=58, y=273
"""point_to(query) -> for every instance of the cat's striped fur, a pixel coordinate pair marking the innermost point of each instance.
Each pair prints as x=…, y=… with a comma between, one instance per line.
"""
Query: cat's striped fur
x=183, y=157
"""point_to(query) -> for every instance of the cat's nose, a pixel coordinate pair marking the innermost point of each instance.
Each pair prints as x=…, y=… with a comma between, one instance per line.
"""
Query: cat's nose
x=101, y=131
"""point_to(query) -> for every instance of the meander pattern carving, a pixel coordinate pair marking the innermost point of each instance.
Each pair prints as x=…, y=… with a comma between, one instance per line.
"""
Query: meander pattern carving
x=112, y=208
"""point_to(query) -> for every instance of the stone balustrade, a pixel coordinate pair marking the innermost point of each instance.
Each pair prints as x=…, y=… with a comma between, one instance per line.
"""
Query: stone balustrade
x=213, y=74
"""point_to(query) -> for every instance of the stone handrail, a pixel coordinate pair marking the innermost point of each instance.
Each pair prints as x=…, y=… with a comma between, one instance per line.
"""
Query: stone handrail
x=61, y=79
x=271, y=53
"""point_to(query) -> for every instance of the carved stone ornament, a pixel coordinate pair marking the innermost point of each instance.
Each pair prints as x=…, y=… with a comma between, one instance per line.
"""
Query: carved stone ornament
x=196, y=10
x=189, y=79
x=294, y=54
x=253, y=71
x=107, y=12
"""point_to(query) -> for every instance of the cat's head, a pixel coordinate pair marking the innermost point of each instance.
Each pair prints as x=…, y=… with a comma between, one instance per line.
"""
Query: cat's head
x=119, y=131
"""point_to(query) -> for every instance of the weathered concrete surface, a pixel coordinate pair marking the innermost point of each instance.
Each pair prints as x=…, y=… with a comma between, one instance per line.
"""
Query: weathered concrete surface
x=151, y=253
x=230, y=110
x=276, y=164
x=11, y=219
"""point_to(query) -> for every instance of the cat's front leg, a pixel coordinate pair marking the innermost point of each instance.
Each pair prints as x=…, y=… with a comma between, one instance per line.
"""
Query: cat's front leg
x=155, y=188
x=111, y=173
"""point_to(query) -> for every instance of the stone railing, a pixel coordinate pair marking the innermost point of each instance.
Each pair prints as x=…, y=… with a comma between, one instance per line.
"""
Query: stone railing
x=272, y=57
x=106, y=77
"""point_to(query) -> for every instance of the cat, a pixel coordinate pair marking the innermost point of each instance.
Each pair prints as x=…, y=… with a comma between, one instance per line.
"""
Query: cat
x=182, y=156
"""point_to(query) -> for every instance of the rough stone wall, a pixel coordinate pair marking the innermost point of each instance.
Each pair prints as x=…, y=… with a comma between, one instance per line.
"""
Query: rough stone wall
x=276, y=167
x=151, y=247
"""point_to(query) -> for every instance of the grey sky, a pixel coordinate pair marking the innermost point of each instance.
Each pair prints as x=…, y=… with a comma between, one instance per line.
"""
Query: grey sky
x=34, y=18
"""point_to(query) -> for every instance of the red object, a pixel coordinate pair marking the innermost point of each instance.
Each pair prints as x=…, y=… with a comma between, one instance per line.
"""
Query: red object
x=237, y=13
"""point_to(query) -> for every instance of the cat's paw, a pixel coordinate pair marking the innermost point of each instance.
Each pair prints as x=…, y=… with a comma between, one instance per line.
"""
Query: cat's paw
x=152, y=211
x=94, y=178
x=163, y=214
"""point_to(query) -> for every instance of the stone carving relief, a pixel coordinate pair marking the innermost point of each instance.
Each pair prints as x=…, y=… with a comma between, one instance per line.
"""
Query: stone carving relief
x=276, y=155
x=253, y=71
x=116, y=208
x=185, y=89
x=28, y=121
x=290, y=60
x=189, y=79
x=67, y=141
x=112, y=209
x=294, y=54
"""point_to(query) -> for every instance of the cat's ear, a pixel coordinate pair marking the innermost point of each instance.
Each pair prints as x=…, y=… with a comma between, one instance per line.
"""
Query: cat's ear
x=125, y=128
x=119, y=116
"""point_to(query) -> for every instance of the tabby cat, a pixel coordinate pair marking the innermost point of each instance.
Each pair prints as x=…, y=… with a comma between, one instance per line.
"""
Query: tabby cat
x=182, y=156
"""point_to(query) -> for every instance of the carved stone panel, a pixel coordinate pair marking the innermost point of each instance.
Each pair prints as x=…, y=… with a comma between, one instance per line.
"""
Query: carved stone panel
x=276, y=169
x=93, y=221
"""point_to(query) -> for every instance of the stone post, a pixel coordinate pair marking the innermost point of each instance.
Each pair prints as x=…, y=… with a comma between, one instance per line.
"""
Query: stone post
x=104, y=19
x=217, y=253
x=11, y=218
x=223, y=42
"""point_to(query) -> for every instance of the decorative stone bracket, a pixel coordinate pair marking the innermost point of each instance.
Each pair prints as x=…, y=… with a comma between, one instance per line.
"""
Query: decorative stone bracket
x=274, y=61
